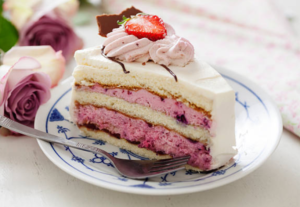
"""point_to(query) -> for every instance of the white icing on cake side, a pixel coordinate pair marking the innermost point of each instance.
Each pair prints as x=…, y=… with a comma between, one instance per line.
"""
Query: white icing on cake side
x=195, y=81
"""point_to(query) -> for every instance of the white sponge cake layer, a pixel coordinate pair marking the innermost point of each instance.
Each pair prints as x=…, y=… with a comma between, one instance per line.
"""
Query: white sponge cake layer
x=154, y=77
x=142, y=112
x=158, y=85
x=198, y=85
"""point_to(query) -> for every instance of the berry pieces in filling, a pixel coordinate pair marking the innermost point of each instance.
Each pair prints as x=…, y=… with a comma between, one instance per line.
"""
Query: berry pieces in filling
x=155, y=138
x=182, y=113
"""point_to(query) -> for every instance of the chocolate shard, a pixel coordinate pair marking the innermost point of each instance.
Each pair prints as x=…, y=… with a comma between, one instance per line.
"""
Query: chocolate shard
x=107, y=22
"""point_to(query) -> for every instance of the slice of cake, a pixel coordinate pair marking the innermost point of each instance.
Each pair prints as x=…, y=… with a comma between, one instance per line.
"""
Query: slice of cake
x=144, y=91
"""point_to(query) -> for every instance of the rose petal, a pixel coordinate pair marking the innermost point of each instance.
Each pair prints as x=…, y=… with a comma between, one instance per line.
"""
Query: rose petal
x=27, y=63
x=22, y=95
x=18, y=95
x=35, y=104
x=47, y=6
x=68, y=9
x=62, y=36
x=26, y=112
x=20, y=11
x=52, y=62
x=25, y=96
x=4, y=73
x=35, y=83
x=6, y=83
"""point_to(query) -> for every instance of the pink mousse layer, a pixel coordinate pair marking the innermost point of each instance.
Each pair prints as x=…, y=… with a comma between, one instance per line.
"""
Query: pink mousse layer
x=170, y=107
x=155, y=138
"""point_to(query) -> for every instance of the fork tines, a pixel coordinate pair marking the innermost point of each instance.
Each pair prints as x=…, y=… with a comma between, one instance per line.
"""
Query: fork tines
x=169, y=164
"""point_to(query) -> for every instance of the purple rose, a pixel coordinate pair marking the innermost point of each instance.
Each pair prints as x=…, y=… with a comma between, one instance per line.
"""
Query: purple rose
x=23, y=90
x=51, y=30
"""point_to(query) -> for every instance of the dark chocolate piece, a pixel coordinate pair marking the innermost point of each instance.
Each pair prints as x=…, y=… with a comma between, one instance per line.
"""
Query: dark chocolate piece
x=170, y=71
x=107, y=22
x=113, y=59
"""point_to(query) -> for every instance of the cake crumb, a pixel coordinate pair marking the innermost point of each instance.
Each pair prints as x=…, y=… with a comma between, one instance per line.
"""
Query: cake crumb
x=144, y=63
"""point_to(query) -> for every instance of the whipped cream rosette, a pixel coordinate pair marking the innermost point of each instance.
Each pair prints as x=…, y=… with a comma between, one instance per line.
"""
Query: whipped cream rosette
x=171, y=50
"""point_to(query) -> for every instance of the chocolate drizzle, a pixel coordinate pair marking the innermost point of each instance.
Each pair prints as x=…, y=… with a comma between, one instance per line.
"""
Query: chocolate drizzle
x=107, y=23
x=126, y=71
x=113, y=59
x=170, y=71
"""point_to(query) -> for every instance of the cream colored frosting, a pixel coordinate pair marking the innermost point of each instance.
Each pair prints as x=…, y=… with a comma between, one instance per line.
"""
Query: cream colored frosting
x=172, y=50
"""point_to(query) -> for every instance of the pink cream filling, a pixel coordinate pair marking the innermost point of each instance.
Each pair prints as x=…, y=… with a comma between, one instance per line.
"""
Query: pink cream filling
x=154, y=138
x=170, y=107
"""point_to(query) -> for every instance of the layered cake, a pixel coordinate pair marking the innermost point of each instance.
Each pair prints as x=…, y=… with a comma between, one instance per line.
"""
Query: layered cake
x=143, y=90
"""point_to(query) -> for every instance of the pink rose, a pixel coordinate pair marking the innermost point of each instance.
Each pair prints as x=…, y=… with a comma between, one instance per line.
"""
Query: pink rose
x=51, y=62
x=22, y=11
x=23, y=90
x=46, y=22
x=54, y=31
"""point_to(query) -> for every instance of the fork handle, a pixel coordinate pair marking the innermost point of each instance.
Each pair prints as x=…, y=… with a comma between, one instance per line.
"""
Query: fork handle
x=22, y=129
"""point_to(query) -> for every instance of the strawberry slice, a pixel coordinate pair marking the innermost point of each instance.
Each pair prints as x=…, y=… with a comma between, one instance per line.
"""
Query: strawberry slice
x=148, y=26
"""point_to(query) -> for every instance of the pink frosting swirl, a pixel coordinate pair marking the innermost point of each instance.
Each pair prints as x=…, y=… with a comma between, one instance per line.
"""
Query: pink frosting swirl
x=127, y=47
x=172, y=50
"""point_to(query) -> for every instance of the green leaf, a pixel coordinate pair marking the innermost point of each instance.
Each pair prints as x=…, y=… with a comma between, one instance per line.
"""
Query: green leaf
x=125, y=19
x=8, y=34
x=1, y=6
x=82, y=2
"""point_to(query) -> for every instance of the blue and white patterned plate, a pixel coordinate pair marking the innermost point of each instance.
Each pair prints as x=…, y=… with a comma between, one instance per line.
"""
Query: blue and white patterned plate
x=258, y=130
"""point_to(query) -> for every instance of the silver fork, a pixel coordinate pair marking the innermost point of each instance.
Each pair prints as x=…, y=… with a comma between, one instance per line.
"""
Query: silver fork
x=136, y=169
